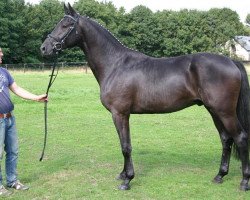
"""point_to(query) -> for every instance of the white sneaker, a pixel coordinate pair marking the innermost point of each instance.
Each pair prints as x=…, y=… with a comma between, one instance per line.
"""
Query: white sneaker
x=18, y=186
x=4, y=192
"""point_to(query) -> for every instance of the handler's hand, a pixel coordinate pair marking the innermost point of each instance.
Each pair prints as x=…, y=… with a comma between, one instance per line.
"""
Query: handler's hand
x=42, y=98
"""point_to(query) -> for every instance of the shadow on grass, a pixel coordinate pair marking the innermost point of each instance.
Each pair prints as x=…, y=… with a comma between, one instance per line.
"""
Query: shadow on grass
x=150, y=161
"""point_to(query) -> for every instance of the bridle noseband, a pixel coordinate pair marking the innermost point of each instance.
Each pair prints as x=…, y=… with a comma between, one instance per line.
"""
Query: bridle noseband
x=57, y=46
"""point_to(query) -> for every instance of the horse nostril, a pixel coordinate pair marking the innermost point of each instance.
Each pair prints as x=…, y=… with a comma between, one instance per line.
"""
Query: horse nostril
x=43, y=49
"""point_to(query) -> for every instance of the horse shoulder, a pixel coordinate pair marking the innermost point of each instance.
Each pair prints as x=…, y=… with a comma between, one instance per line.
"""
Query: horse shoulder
x=116, y=91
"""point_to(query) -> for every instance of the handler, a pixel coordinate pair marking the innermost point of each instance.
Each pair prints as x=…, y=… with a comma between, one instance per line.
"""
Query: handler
x=8, y=132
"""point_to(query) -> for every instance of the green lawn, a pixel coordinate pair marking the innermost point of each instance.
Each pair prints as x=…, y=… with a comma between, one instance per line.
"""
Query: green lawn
x=175, y=155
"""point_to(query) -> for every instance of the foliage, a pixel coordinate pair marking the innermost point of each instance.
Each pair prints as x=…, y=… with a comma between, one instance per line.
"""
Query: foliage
x=11, y=29
x=247, y=27
x=39, y=21
x=248, y=19
x=141, y=32
x=166, y=33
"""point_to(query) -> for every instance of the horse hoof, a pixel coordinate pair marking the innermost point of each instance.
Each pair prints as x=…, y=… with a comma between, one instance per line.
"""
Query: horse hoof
x=218, y=180
x=244, y=188
x=124, y=187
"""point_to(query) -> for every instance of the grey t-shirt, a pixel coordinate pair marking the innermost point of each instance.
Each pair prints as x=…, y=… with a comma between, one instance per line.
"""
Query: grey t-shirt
x=6, y=80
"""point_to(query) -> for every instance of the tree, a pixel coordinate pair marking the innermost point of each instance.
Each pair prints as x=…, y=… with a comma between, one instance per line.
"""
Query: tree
x=191, y=31
x=104, y=13
x=140, y=31
x=247, y=27
x=40, y=20
x=248, y=19
x=223, y=25
x=164, y=33
x=11, y=29
x=182, y=32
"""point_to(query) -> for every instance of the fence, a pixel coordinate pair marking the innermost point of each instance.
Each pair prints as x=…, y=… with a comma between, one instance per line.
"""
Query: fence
x=66, y=66
x=46, y=66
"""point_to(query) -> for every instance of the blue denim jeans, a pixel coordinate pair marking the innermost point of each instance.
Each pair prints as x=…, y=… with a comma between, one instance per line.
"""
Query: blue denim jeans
x=9, y=144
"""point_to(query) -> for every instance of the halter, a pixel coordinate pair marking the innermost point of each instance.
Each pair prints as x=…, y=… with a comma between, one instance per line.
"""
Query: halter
x=57, y=46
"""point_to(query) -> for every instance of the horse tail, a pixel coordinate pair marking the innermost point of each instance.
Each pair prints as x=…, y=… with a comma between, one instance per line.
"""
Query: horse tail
x=243, y=112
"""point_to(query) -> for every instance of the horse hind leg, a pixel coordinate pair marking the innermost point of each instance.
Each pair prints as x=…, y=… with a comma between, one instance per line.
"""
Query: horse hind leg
x=225, y=157
x=226, y=142
x=240, y=138
x=241, y=142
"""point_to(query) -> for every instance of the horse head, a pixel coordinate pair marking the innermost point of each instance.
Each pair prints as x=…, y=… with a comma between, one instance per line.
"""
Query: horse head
x=64, y=35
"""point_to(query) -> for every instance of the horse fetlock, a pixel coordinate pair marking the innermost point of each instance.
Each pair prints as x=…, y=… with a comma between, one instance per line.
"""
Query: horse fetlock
x=246, y=174
x=130, y=175
x=126, y=175
x=223, y=171
x=121, y=176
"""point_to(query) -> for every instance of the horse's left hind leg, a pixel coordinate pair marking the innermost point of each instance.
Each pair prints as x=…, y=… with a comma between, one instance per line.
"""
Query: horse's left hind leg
x=121, y=122
x=240, y=138
x=226, y=142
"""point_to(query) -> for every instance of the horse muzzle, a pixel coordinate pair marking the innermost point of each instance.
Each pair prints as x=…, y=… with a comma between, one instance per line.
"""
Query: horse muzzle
x=49, y=50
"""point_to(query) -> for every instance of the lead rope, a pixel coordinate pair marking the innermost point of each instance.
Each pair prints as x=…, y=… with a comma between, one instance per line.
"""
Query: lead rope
x=51, y=81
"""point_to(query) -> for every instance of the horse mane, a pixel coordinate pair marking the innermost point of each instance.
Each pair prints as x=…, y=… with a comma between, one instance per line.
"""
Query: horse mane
x=110, y=37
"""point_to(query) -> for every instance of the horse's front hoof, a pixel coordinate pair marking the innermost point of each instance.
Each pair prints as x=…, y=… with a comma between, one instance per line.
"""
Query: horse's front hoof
x=218, y=180
x=124, y=187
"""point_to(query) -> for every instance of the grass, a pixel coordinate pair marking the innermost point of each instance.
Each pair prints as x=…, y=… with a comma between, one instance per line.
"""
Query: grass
x=175, y=155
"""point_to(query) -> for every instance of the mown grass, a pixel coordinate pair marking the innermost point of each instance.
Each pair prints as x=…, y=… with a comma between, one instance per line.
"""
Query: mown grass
x=175, y=155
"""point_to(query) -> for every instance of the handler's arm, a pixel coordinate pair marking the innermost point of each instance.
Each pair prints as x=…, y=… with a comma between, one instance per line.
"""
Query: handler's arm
x=27, y=95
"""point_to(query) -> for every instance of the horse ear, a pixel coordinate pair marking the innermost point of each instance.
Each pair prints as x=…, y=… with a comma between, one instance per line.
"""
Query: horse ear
x=72, y=12
x=66, y=10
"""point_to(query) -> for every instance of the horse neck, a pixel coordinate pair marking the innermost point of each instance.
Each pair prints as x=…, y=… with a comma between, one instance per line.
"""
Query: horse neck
x=102, y=49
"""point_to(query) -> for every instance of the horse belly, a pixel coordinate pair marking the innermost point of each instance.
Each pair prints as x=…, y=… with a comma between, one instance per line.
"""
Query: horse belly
x=163, y=101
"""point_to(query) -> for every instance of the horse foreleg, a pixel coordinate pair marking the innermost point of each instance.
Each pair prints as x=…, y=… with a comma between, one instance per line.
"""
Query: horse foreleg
x=121, y=122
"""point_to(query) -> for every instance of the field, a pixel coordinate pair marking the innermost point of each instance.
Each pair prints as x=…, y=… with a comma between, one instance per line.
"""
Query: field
x=175, y=155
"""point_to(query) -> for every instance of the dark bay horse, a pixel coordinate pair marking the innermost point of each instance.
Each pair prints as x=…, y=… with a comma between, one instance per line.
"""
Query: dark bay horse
x=134, y=83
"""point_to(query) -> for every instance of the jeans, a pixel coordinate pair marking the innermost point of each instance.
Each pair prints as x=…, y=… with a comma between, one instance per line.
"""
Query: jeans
x=9, y=143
